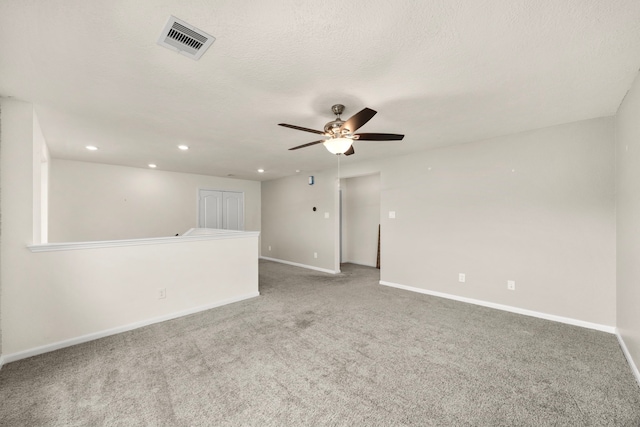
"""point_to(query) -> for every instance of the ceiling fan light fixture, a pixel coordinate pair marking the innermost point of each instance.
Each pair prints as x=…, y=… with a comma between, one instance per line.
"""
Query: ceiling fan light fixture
x=339, y=134
x=338, y=145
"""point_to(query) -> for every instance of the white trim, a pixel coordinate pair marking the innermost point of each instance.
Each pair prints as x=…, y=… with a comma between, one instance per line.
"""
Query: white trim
x=359, y=263
x=310, y=267
x=186, y=237
x=1, y=361
x=552, y=317
x=627, y=354
x=96, y=335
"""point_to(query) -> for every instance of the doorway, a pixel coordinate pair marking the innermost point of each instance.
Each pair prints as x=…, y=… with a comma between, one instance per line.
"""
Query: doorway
x=221, y=209
x=359, y=210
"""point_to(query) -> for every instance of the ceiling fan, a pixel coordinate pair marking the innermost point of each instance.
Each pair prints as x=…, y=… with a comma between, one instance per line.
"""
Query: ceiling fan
x=340, y=134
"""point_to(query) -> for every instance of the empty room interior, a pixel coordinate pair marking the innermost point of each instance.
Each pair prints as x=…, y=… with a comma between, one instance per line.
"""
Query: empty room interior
x=320, y=213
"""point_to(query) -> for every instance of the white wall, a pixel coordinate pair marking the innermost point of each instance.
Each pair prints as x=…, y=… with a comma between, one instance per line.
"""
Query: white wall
x=628, y=222
x=1, y=185
x=91, y=201
x=51, y=298
x=536, y=207
x=361, y=207
x=40, y=184
x=17, y=158
x=64, y=297
x=294, y=231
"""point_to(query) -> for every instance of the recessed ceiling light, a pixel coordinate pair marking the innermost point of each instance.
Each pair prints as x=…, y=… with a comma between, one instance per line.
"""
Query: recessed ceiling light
x=183, y=147
x=91, y=147
x=151, y=165
x=260, y=170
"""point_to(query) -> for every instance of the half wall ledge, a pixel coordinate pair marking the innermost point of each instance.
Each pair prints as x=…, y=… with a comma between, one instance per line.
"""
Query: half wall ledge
x=192, y=235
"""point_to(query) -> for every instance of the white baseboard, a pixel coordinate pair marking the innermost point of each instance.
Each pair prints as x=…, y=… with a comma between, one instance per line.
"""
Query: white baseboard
x=1, y=361
x=310, y=267
x=93, y=336
x=567, y=320
x=627, y=354
x=359, y=263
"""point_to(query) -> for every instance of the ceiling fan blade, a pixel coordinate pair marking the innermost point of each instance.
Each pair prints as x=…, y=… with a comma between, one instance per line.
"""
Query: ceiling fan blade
x=307, y=145
x=379, y=137
x=358, y=119
x=350, y=151
x=301, y=128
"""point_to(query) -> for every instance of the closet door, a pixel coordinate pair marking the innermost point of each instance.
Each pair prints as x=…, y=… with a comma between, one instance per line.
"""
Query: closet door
x=210, y=209
x=233, y=210
x=221, y=209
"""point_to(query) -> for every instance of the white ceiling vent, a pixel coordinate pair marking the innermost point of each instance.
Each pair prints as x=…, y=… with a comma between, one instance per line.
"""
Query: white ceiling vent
x=184, y=38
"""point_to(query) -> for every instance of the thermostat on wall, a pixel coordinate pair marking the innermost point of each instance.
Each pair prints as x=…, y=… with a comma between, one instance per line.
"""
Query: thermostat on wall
x=311, y=180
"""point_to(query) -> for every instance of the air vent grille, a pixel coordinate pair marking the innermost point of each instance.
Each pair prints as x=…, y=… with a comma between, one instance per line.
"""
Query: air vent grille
x=186, y=39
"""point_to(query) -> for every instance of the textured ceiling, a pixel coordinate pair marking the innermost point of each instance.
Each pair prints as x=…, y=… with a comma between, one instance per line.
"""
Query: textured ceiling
x=440, y=71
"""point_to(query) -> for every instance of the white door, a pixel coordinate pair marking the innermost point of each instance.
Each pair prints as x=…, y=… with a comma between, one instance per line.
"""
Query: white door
x=221, y=209
x=210, y=209
x=233, y=210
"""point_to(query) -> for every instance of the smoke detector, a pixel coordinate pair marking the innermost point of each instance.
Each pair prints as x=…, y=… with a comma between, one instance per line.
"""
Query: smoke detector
x=184, y=38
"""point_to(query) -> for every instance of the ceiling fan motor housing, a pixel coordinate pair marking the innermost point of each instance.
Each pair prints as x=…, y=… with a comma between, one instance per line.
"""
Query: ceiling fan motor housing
x=333, y=128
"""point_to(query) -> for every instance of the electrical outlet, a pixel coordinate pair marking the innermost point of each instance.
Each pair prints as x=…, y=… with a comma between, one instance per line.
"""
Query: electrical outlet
x=392, y=214
x=511, y=285
x=269, y=248
x=462, y=277
x=162, y=293
x=315, y=254
x=326, y=215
